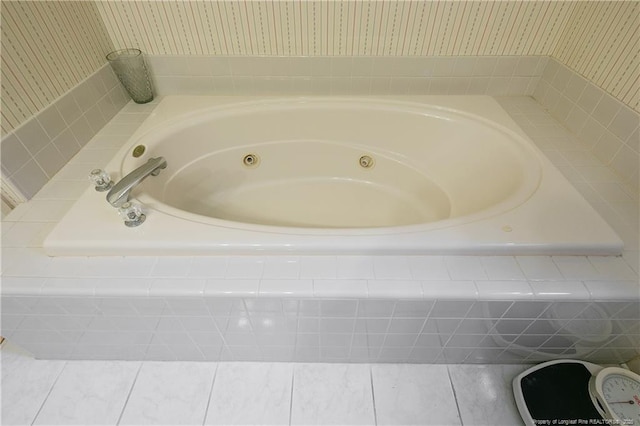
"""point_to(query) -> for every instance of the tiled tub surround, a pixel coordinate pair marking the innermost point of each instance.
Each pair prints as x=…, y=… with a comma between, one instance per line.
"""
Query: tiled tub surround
x=608, y=128
x=324, y=308
x=339, y=320
x=34, y=152
x=342, y=75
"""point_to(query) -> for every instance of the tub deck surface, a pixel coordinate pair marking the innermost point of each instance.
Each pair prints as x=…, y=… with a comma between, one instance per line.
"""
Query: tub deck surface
x=554, y=219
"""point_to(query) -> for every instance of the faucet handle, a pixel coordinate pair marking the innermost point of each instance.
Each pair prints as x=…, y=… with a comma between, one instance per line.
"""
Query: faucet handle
x=132, y=214
x=101, y=180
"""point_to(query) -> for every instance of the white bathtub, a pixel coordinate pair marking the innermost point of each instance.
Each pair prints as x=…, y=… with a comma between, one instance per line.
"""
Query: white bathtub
x=446, y=175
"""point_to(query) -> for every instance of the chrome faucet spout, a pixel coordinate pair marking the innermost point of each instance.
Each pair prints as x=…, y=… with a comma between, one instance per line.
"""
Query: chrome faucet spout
x=121, y=191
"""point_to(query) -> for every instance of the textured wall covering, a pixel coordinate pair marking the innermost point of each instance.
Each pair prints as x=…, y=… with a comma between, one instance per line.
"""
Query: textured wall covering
x=600, y=42
x=596, y=39
x=432, y=28
x=48, y=47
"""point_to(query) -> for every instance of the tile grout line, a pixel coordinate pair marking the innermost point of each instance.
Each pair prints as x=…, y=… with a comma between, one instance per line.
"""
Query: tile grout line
x=293, y=375
x=455, y=396
x=49, y=393
x=206, y=410
x=373, y=396
x=126, y=401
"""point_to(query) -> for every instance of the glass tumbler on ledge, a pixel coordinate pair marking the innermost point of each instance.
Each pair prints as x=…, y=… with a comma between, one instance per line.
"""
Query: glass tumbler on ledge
x=129, y=66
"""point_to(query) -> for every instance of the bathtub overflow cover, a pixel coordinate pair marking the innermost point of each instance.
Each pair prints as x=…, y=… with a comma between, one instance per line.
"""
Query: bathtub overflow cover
x=250, y=160
x=138, y=151
x=366, y=161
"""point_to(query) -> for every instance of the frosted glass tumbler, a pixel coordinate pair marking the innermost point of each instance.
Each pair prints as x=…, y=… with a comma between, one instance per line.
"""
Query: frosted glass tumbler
x=129, y=66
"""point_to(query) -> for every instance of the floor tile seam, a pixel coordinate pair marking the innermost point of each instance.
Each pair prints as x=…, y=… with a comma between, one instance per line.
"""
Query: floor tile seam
x=49, y=393
x=455, y=396
x=373, y=396
x=293, y=376
x=126, y=401
x=213, y=381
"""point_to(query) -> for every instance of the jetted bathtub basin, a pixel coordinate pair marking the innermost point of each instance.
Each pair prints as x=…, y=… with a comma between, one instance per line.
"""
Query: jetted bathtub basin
x=419, y=174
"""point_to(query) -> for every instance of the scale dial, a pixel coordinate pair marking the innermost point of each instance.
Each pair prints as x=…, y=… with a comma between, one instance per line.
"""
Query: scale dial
x=617, y=392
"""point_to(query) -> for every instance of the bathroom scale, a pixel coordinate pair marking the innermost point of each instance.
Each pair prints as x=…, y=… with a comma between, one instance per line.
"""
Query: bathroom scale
x=577, y=392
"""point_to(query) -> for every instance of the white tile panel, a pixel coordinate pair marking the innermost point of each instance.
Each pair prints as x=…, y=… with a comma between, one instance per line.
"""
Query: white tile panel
x=248, y=267
x=339, y=288
x=559, y=290
x=539, y=267
x=391, y=267
x=26, y=384
x=350, y=267
x=116, y=286
x=621, y=290
x=501, y=290
x=89, y=392
x=173, y=393
x=240, y=288
x=502, y=268
x=168, y=287
x=265, y=390
x=281, y=268
x=448, y=289
x=412, y=394
x=332, y=394
x=296, y=288
x=465, y=267
x=487, y=392
x=402, y=289
x=428, y=268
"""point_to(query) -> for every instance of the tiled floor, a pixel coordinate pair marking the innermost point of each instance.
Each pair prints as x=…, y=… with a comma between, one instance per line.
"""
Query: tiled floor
x=192, y=393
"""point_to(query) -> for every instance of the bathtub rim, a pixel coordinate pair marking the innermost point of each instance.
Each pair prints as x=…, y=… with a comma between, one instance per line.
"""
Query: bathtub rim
x=80, y=234
x=532, y=176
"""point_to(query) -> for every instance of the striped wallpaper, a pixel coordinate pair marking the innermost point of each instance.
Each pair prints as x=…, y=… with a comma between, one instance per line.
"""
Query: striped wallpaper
x=48, y=47
x=350, y=27
x=601, y=42
x=598, y=39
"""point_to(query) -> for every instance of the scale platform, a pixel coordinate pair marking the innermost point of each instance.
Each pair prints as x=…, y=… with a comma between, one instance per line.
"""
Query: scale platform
x=557, y=392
